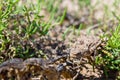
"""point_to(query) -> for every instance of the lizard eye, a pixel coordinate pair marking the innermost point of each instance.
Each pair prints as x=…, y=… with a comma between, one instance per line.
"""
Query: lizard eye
x=60, y=67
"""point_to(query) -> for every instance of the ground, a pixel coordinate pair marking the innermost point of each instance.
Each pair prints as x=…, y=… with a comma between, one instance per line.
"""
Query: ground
x=69, y=49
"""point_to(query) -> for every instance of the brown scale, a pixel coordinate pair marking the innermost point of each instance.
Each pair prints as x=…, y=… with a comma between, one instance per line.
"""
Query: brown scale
x=84, y=47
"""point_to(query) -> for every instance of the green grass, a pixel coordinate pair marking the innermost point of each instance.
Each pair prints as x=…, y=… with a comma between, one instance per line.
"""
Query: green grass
x=113, y=46
x=19, y=24
x=110, y=54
